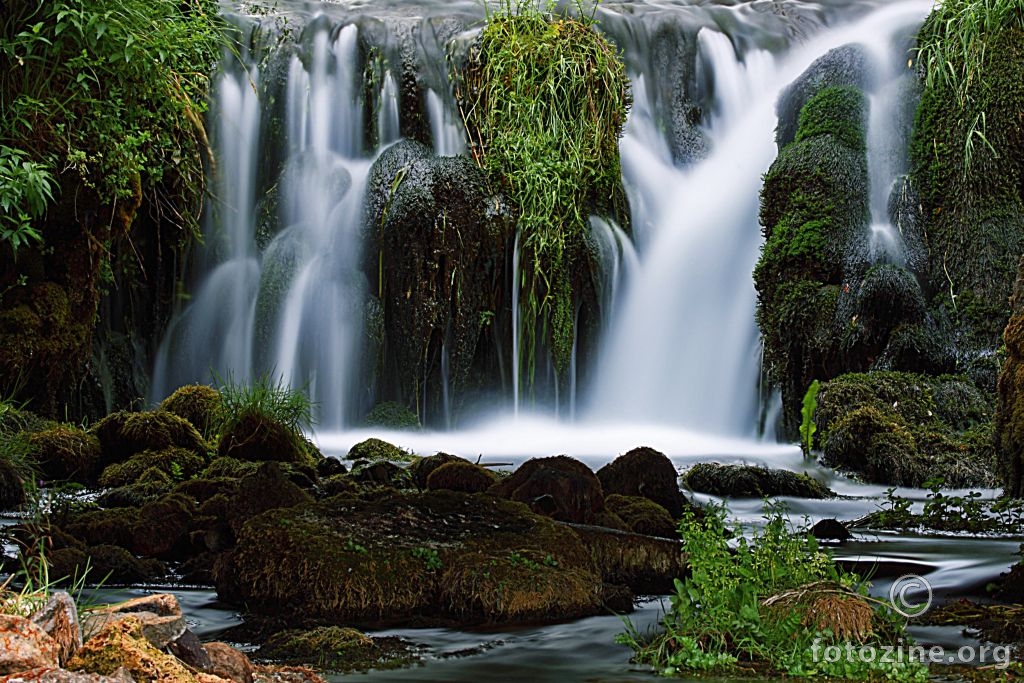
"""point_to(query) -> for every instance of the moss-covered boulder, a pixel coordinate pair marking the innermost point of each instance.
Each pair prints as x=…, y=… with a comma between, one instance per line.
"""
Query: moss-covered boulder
x=123, y=434
x=814, y=213
x=174, y=464
x=644, y=472
x=12, y=485
x=64, y=452
x=121, y=645
x=751, y=481
x=1009, y=415
x=461, y=475
x=162, y=527
x=560, y=487
x=421, y=468
x=441, y=553
x=336, y=649
x=903, y=429
x=110, y=564
x=646, y=564
x=266, y=489
x=437, y=250
x=373, y=449
x=968, y=170
x=642, y=515
x=198, y=403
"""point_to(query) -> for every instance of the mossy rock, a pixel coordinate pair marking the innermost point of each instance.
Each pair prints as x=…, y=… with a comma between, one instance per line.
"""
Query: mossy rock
x=104, y=527
x=266, y=489
x=198, y=403
x=12, y=486
x=108, y=564
x=391, y=415
x=336, y=649
x=147, y=466
x=121, y=645
x=421, y=468
x=381, y=473
x=642, y=515
x=162, y=526
x=560, y=487
x=123, y=434
x=138, y=494
x=201, y=490
x=645, y=472
x=442, y=554
x=14, y=420
x=229, y=468
x=461, y=475
x=373, y=449
x=750, y=481
x=877, y=445
x=647, y=564
x=65, y=453
x=255, y=437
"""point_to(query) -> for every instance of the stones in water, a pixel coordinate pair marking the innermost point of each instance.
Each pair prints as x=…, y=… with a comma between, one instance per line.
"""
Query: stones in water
x=645, y=472
x=750, y=481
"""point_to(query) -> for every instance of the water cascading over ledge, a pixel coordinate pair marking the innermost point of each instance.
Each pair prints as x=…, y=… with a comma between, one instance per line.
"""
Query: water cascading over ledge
x=290, y=280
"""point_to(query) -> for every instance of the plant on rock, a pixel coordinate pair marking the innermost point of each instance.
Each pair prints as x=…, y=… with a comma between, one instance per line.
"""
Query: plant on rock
x=769, y=603
x=544, y=100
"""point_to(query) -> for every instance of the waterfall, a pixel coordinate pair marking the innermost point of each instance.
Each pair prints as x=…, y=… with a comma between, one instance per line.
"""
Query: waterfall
x=281, y=285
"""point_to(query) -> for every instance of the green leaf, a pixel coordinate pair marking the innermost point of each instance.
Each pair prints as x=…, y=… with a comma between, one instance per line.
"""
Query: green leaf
x=807, y=424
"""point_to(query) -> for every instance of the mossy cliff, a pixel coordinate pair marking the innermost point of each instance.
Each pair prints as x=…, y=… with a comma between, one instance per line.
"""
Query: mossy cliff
x=814, y=214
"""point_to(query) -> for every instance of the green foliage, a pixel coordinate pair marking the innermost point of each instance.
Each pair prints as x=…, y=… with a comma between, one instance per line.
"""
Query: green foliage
x=953, y=52
x=544, y=100
x=111, y=89
x=391, y=415
x=807, y=424
x=840, y=111
x=943, y=511
x=763, y=602
x=269, y=399
x=25, y=190
x=429, y=556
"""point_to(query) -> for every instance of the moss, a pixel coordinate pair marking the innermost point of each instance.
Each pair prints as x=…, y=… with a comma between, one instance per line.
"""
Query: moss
x=377, y=449
x=559, y=486
x=381, y=473
x=336, y=649
x=198, y=403
x=253, y=436
x=103, y=527
x=162, y=526
x=839, y=111
x=121, y=644
x=975, y=266
x=461, y=475
x=391, y=415
x=345, y=560
x=877, y=445
x=174, y=463
x=750, y=481
x=229, y=468
x=421, y=469
x=642, y=516
x=123, y=434
x=644, y=563
x=266, y=489
x=65, y=452
x=644, y=472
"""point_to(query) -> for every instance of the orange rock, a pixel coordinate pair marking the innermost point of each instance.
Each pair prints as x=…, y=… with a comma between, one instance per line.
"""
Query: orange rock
x=227, y=662
x=23, y=645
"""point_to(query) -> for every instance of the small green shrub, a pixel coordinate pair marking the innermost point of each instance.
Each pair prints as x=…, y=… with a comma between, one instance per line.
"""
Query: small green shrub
x=270, y=399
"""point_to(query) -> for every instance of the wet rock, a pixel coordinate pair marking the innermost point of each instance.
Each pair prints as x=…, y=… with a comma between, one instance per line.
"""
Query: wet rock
x=264, y=490
x=381, y=473
x=159, y=618
x=24, y=645
x=161, y=529
x=642, y=515
x=461, y=475
x=471, y=557
x=334, y=648
x=123, y=434
x=174, y=463
x=329, y=467
x=559, y=487
x=190, y=651
x=749, y=481
x=58, y=617
x=644, y=472
x=229, y=663
x=830, y=530
x=12, y=486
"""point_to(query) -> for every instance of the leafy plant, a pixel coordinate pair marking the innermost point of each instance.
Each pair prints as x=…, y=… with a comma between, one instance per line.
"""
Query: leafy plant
x=808, y=427
x=429, y=556
x=25, y=190
x=544, y=99
x=766, y=600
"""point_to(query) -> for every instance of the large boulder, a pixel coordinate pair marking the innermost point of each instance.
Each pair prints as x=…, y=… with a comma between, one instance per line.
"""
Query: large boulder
x=644, y=472
x=436, y=554
x=560, y=487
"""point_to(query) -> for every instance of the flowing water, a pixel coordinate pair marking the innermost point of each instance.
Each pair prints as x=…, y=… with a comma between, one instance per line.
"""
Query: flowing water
x=680, y=361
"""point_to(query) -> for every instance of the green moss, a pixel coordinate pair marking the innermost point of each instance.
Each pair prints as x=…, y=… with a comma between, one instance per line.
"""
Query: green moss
x=174, y=463
x=839, y=111
x=376, y=449
x=256, y=437
x=460, y=475
x=336, y=649
x=546, y=99
x=391, y=415
x=65, y=452
x=749, y=481
x=642, y=516
x=198, y=403
x=123, y=434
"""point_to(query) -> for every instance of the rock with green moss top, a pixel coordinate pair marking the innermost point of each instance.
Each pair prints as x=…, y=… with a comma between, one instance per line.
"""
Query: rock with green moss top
x=903, y=429
x=256, y=437
x=644, y=472
x=422, y=467
x=642, y=515
x=461, y=475
x=973, y=209
x=123, y=434
x=373, y=449
x=64, y=452
x=162, y=527
x=109, y=564
x=337, y=649
x=175, y=464
x=560, y=487
x=436, y=250
x=198, y=403
x=814, y=212
x=444, y=554
x=266, y=489
x=751, y=481
x=391, y=415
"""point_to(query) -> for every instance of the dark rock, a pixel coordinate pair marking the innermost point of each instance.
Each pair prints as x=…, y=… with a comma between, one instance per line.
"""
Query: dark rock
x=382, y=473
x=751, y=481
x=618, y=599
x=175, y=463
x=12, y=485
x=422, y=468
x=123, y=434
x=1008, y=422
x=255, y=437
x=830, y=530
x=645, y=472
x=188, y=648
x=229, y=663
x=559, y=486
x=264, y=490
x=461, y=475
x=646, y=564
x=329, y=467
x=162, y=526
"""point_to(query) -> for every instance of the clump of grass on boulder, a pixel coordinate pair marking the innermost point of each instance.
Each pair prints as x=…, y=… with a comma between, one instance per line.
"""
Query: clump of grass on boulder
x=461, y=475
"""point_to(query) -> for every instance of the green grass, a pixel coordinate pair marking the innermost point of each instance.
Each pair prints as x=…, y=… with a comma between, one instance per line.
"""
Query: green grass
x=544, y=99
x=268, y=398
